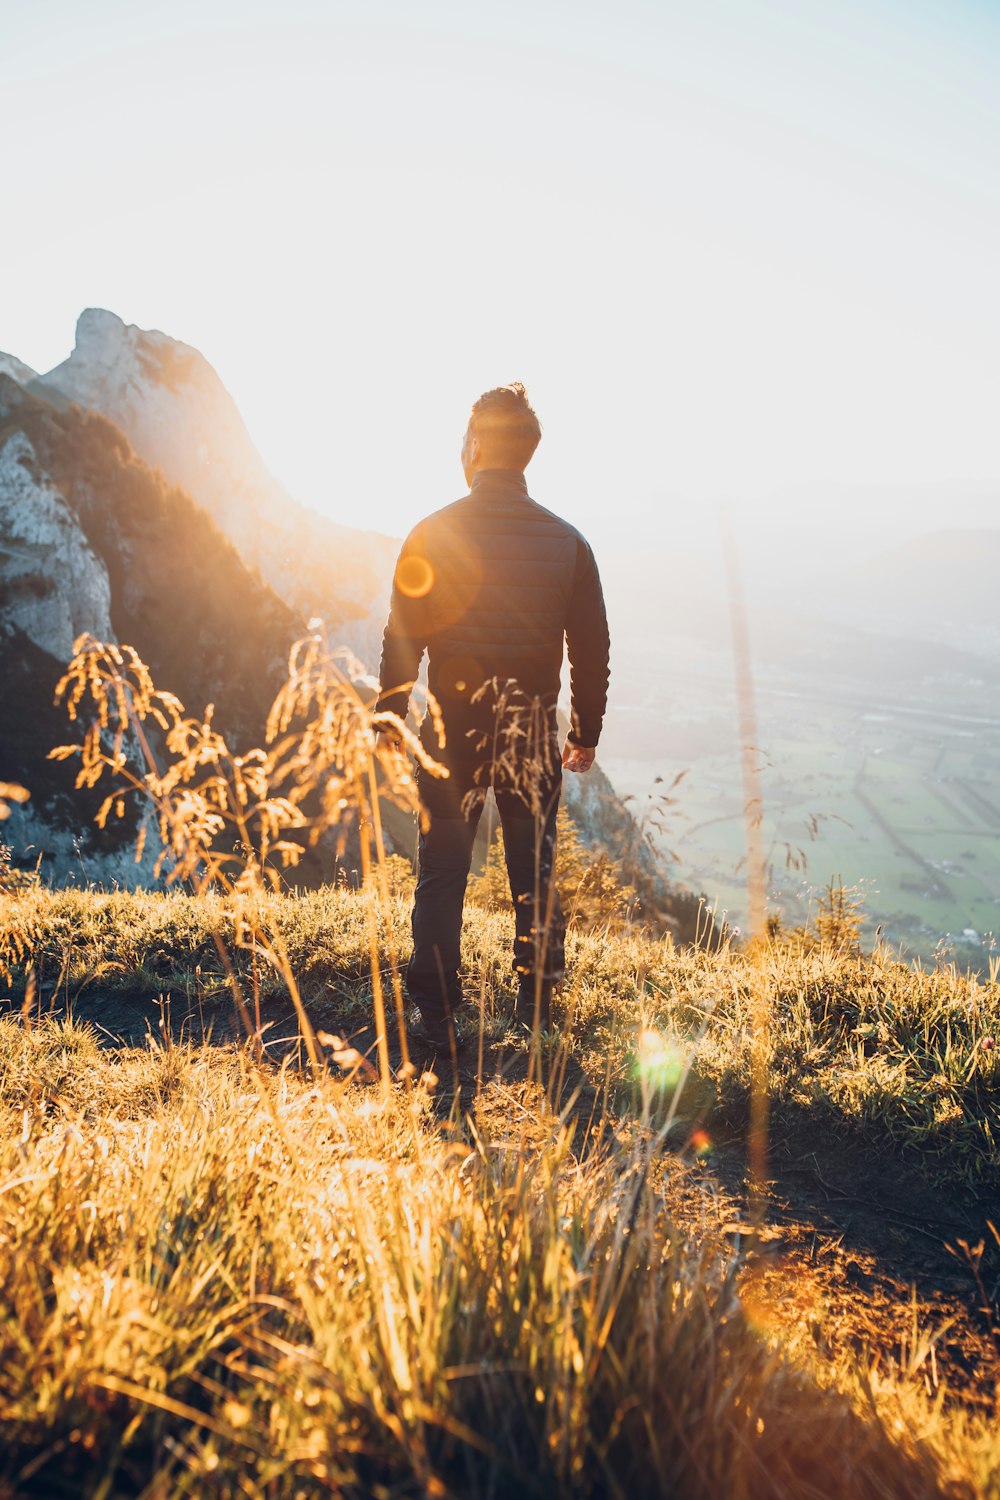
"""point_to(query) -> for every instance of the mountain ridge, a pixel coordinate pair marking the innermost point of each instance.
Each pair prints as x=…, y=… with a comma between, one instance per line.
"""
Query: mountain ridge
x=179, y=417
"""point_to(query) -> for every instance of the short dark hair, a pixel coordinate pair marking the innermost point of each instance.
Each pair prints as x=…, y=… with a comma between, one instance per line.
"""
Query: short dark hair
x=506, y=425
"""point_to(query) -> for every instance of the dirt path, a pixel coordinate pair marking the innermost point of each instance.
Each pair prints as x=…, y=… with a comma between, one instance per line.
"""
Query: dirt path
x=860, y=1256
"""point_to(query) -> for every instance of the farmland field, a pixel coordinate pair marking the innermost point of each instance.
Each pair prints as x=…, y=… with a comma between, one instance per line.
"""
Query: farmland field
x=901, y=802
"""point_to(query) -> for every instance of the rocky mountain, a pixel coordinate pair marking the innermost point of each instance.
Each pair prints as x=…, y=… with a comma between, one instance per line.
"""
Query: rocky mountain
x=606, y=821
x=179, y=417
x=91, y=539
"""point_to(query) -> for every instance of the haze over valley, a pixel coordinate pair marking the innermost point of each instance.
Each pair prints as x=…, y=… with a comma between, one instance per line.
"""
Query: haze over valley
x=878, y=711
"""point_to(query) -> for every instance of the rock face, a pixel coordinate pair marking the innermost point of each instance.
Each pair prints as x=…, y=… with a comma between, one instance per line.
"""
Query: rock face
x=93, y=540
x=605, y=822
x=179, y=417
x=54, y=588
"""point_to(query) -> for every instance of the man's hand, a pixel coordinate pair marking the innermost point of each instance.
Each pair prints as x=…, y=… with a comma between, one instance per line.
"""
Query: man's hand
x=577, y=757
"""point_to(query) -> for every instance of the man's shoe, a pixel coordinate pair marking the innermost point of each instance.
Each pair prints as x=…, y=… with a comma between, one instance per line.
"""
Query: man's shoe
x=433, y=1031
x=531, y=1003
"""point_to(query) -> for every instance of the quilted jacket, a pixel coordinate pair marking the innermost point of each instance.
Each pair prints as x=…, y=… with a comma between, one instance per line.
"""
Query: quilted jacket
x=491, y=587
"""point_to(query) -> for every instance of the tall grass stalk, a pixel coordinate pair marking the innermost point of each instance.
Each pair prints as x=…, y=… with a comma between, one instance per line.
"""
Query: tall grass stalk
x=753, y=811
x=234, y=822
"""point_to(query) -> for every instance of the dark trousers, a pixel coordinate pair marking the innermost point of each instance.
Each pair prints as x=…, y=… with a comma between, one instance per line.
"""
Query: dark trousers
x=454, y=806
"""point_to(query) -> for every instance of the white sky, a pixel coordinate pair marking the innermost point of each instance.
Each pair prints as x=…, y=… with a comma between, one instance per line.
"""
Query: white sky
x=733, y=247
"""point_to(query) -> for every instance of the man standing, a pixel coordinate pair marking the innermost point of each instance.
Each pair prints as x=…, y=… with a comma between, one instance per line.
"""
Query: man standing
x=490, y=587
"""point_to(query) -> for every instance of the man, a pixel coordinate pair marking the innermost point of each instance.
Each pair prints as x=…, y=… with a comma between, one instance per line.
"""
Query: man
x=490, y=587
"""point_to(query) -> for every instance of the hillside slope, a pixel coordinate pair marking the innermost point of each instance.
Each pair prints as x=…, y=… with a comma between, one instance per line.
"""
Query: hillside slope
x=91, y=539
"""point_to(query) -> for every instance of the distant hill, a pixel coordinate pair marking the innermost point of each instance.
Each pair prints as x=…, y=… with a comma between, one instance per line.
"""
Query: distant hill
x=939, y=587
x=946, y=575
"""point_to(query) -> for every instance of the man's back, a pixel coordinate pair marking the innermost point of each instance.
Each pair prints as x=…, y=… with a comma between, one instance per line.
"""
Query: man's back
x=491, y=586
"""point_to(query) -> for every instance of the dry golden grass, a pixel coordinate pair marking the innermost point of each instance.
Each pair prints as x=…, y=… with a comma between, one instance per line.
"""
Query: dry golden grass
x=229, y=1279
x=225, y=1277
x=903, y=1061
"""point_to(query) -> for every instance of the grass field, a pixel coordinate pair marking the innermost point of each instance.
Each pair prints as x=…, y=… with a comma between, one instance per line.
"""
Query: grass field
x=520, y=1274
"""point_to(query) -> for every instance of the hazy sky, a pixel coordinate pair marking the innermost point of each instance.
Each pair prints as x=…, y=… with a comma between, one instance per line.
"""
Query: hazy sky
x=732, y=246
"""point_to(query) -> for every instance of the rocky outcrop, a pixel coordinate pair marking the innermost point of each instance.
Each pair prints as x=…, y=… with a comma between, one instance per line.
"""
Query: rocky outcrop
x=179, y=417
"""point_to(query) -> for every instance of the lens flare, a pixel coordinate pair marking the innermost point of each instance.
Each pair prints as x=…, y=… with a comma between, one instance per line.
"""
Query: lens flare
x=661, y=1061
x=414, y=576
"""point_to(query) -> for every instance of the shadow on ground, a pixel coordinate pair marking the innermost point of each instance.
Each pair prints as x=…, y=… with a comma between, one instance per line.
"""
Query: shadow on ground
x=854, y=1247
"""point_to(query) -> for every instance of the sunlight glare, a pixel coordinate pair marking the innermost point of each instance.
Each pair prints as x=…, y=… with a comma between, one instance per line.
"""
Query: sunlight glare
x=662, y=1060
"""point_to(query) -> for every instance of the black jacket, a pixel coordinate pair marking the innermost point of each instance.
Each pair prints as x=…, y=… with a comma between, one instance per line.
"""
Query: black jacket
x=490, y=587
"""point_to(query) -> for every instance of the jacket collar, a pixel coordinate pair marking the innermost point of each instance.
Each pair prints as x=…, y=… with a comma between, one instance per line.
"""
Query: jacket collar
x=499, y=479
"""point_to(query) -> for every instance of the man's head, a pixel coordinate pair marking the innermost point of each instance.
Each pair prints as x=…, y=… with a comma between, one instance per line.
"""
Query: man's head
x=503, y=431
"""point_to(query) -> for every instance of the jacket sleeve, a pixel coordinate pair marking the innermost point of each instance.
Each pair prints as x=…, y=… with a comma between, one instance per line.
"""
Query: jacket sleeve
x=589, y=646
x=405, y=635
